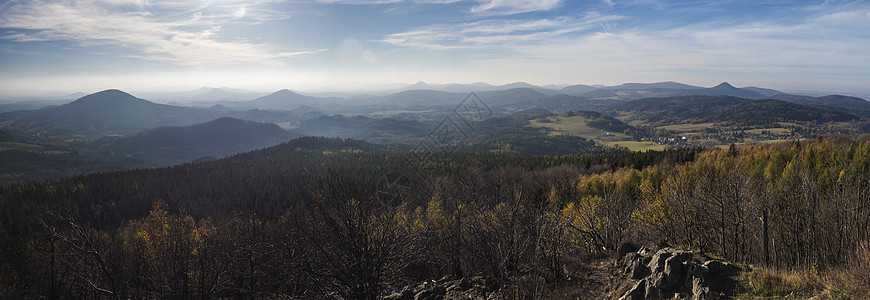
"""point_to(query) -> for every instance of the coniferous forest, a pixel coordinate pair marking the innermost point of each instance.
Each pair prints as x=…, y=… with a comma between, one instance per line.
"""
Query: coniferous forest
x=339, y=218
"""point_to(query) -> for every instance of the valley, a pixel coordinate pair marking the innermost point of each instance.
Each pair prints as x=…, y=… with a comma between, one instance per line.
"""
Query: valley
x=506, y=192
x=115, y=126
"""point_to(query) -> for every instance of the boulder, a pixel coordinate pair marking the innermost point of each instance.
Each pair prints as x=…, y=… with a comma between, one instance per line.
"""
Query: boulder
x=638, y=269
x=652, y=292
x=674, y=270
x=657, y=264
x=637, y=292
x=718, y=268
x=461, y=285
x=403, y=295
x=434, y=293
x=626, y=248
x=700, y=272
x=700, y=291
x=629, y=260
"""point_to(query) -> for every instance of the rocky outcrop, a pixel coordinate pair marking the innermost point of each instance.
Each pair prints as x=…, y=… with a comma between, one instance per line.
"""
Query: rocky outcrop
x=471, y=288
x=671, y=273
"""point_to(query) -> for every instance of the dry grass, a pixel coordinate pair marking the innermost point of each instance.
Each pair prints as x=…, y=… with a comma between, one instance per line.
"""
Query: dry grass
x=780, y=284
x=851, y=281
x=858, y=272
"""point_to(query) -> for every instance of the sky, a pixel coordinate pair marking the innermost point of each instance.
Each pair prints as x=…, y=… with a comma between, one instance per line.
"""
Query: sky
x=174, y=45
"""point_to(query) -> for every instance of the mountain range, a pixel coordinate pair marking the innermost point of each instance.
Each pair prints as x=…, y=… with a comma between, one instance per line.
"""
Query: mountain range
x=114, y=112
x=734, y=110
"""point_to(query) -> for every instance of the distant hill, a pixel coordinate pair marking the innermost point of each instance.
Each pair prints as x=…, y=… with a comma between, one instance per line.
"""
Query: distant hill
x=472, y=87
x=657, y=85
x=524, y=85
x=564, y=103
x=102, y=113
x=577, y=89
x=700, y=109
x=514, y=95
x=287, y=99
x=763, y=91
x=423, y=97
x=725, y=89
x=633, y=91
x=176, y=144
x=217, y=94
x=361, y=127
x=837, y=101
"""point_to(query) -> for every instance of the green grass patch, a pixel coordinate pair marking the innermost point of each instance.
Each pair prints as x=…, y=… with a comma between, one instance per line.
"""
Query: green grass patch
x=688, y=127
x=19, y=146
x=635, y=145
x=770, y=130
x=575, y=125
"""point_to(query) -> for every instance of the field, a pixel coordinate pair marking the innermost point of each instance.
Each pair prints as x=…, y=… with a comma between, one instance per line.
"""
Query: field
x=635, y=145
x=19, y=146
x=770, y=130
x=688, y=127
x=575, y=126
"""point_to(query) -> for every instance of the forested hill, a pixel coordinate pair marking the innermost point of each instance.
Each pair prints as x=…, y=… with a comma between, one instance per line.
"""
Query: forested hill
x=177, y=144
x=103, y=113
x=295, y=170
x=838, y=101
x=291, y=220
x=701, y=109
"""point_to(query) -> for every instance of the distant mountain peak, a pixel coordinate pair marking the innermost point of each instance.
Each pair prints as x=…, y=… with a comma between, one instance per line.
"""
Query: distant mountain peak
x=111, y=92
x=107, y=96
x=419, y=85
x=725, y=84
x=283, y=92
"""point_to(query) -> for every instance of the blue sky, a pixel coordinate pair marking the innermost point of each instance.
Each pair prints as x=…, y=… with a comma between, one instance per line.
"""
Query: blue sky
x=146, y=45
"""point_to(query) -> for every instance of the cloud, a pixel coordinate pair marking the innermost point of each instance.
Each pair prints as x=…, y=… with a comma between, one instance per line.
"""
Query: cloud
x=171, y=31
x=358, y=1
x=821, y=46
x=508, y=7
x=240, y=13
x=811, y=51
x=488, y=34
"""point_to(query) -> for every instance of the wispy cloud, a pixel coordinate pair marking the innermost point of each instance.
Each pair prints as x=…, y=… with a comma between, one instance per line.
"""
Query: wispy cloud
x=816, y=49
x=359, y=1
x=483, y=7
x=171, y=31
x=827, y=44
x=508, y=7
x=496, y=33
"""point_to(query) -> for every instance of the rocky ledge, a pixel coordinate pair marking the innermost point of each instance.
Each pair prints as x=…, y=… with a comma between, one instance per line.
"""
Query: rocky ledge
x=675, y=274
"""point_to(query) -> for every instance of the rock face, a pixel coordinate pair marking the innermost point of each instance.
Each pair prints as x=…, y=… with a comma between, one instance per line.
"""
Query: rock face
x=672, y=273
